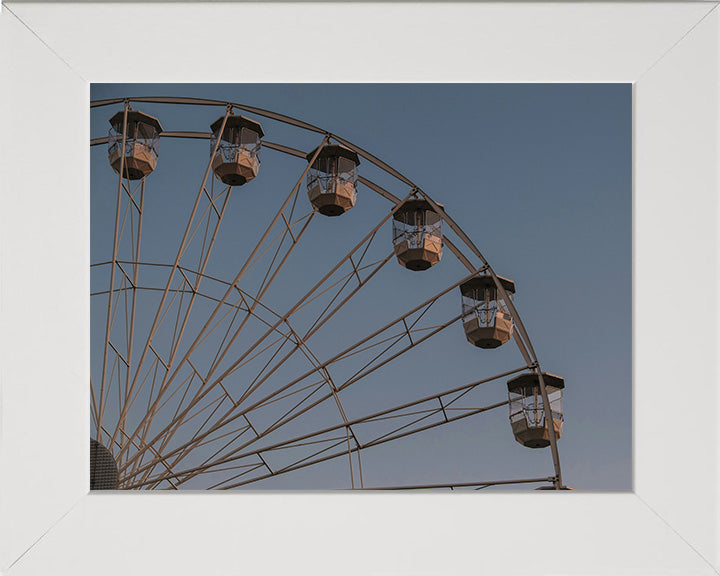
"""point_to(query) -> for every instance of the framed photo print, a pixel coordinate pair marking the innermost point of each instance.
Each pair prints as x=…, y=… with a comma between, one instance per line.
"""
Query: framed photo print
x=393, y=289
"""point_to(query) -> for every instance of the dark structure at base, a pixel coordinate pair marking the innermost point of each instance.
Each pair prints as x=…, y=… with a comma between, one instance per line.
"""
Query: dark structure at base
x=103, y=469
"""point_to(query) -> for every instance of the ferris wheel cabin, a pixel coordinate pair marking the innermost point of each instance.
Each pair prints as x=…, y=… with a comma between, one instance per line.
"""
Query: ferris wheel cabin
x=417, y=235
x=332, y=179
x=486, y=317
x=142, y=140
x=236, y=159
x=527, y=413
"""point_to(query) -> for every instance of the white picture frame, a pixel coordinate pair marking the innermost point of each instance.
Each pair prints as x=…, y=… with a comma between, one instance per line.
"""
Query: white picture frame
x=50, y=524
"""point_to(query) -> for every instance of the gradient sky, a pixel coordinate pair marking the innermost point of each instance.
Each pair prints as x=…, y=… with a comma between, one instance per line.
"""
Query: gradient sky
x=539, y=176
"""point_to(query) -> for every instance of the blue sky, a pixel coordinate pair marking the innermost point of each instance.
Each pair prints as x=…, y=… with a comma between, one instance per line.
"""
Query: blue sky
x=539, y=177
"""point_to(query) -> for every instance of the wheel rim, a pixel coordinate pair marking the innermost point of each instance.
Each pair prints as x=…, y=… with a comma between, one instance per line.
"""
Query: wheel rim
x=184, y=426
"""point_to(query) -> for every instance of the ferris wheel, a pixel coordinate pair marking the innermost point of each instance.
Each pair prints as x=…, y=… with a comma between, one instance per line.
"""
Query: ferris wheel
x=234, y=343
